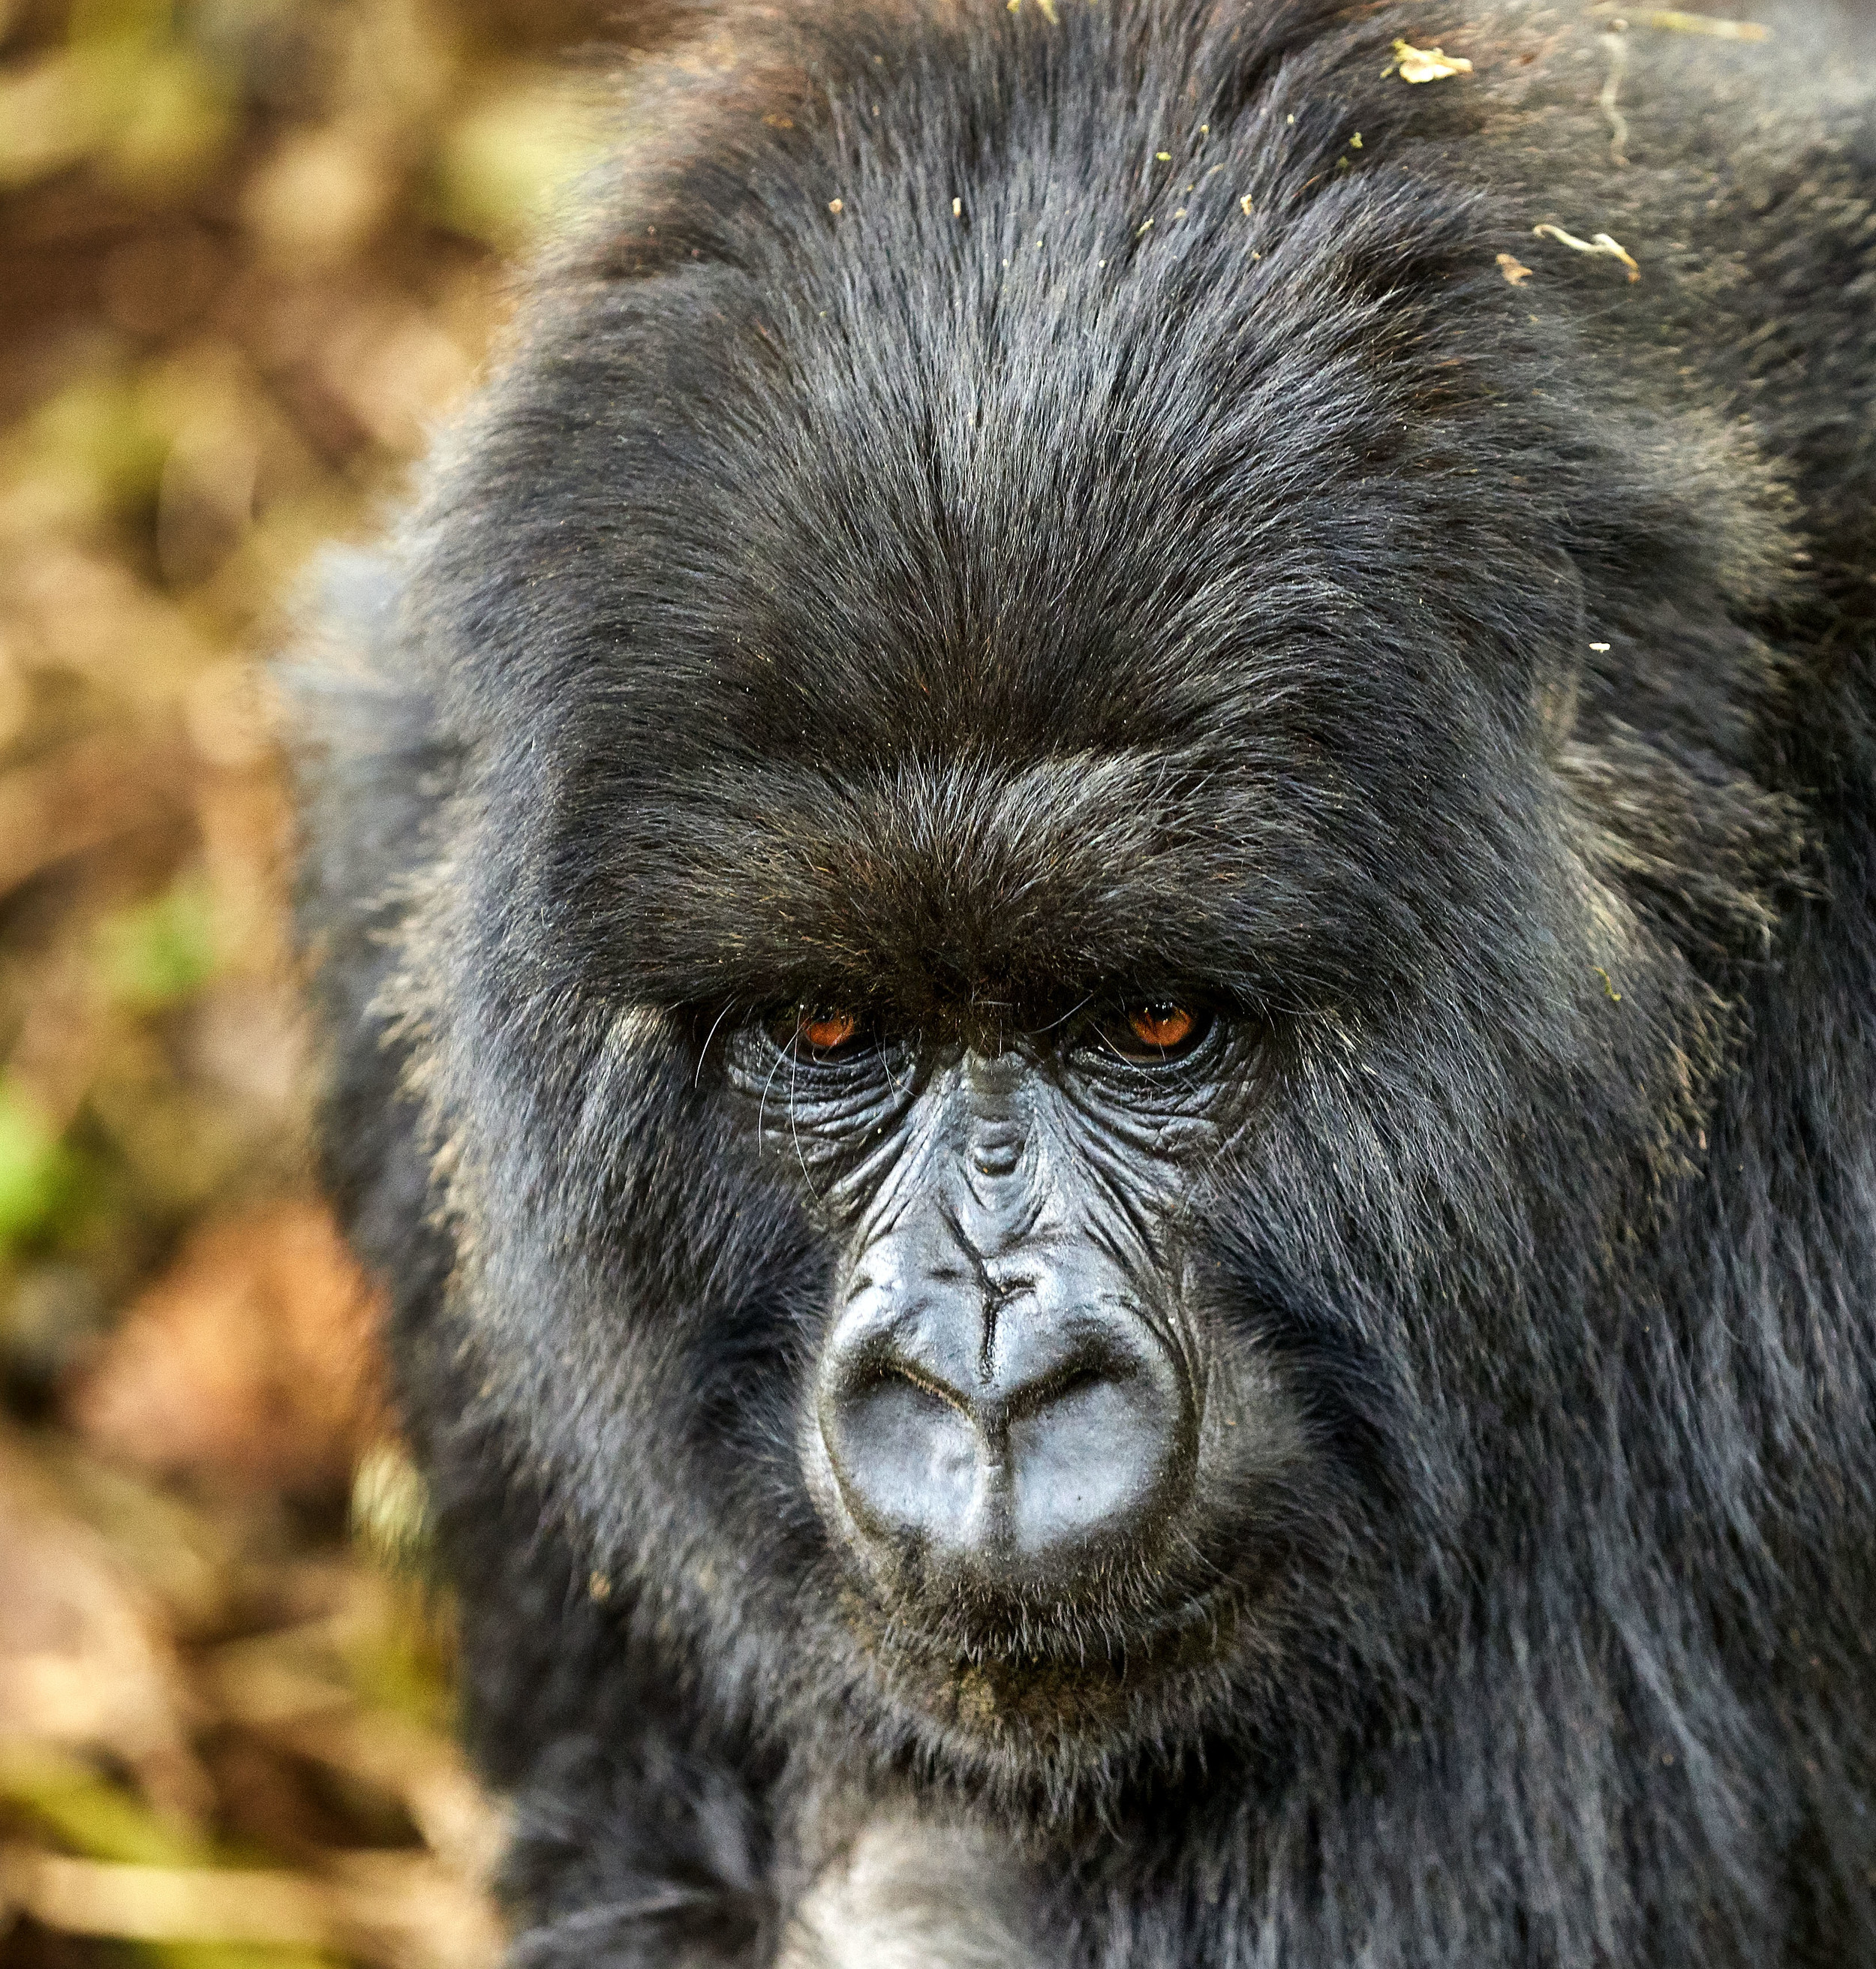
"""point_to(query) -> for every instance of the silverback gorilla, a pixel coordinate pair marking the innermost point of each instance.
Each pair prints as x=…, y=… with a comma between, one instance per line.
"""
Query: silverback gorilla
x=1095, y=897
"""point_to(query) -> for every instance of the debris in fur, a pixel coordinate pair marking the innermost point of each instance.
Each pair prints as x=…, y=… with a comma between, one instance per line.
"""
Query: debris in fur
x=1601, y=243
x=1415, y=64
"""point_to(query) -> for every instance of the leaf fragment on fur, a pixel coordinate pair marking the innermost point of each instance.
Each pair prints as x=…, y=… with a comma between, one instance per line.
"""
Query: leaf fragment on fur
x=1515, y=273
x=1601, y=244
x=1414, y=64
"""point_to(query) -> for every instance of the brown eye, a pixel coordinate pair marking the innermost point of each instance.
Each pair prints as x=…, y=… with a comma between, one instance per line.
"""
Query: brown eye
x=827, y=1032
x=1162, y=1025
x=1156, y=1031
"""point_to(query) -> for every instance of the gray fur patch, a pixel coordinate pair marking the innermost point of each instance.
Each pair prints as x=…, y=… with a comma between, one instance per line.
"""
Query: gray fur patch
x=906, y=1895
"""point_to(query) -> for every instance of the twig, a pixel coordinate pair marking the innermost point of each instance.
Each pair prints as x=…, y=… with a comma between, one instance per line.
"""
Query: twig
x=167, y=1903
x=396, y=1911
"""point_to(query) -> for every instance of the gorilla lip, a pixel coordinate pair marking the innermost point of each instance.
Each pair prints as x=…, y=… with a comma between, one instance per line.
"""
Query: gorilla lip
x=1051, y=1676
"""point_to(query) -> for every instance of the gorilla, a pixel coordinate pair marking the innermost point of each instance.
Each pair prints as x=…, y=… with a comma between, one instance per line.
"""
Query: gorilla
x=1094, y=892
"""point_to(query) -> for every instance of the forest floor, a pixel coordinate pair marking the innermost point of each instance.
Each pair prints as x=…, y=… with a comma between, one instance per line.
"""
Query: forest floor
x=250, y=250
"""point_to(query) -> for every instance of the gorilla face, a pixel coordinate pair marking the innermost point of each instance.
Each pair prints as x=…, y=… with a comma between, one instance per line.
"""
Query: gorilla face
x=1062, y=1206
x=1069, y=1259
x=1013, y=1406
x=1069, y=1330
x=1047, y=1444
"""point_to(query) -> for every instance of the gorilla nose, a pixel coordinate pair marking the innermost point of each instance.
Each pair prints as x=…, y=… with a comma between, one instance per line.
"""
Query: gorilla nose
x=1018, y=1451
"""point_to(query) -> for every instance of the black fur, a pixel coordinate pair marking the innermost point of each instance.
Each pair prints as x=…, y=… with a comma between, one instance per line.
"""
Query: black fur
x=1465, y=678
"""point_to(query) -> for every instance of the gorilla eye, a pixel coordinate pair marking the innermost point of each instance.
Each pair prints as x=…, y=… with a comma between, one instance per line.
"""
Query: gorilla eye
x=1162, y=1025
x=1159, y=1030
x=826, y=1035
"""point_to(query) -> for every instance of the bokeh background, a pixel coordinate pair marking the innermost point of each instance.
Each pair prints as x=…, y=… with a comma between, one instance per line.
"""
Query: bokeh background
x=250, y=251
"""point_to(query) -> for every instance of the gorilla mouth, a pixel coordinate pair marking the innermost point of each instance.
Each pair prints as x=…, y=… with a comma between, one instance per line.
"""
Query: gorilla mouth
x=1045, y=1676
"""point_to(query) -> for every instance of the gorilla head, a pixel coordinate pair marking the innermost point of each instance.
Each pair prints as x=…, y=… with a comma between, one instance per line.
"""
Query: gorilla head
x=1078, y=934
x=1043, y=1007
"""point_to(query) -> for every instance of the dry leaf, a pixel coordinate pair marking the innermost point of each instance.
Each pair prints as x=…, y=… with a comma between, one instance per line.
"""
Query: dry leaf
x=1513, y=269
x=90, y=792
x=1428, y=64
x=253, y=1359
x=84, y=1663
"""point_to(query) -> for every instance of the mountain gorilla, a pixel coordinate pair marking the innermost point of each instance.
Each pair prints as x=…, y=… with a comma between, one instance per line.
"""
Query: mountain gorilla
x=1096, y=895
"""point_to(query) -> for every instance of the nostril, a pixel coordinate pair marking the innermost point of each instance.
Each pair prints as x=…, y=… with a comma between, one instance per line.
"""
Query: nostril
x=927, y=1385
x=1076, y=1379
x=1101, y=1456
x=904, y=1450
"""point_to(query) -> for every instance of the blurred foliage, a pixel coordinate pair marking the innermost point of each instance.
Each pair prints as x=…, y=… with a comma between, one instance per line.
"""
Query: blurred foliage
x=253, y=249
x=159, y=952
x=35, y=1167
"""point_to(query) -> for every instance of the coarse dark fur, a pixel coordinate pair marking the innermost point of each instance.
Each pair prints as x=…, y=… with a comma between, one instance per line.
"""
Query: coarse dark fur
x=1199, y=559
